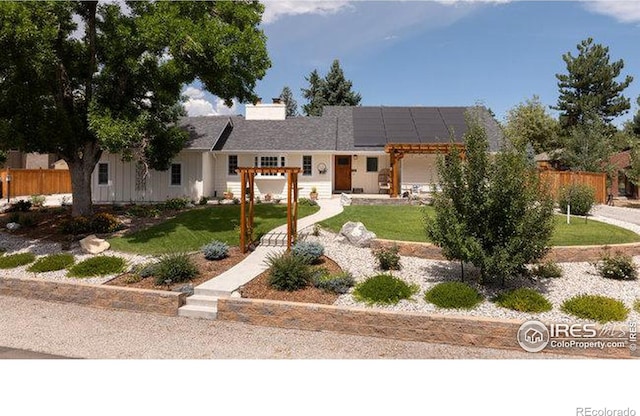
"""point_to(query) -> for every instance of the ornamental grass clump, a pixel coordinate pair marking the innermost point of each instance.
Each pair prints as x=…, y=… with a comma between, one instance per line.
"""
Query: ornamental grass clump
x=384, y=289
x=288, y=271
x=98, y=266
x=523, y=300
x=453, y=295
x=52, y=262
x=16, y=260
x=597, y=308
x=174, y=268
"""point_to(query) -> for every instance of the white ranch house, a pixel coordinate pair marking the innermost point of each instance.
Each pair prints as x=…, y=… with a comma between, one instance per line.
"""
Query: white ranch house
x=341, y=151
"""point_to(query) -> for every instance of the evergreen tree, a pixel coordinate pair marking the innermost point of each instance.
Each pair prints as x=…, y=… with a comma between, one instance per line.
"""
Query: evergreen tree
x=635, y=123
x=529, y=123
x=287, y=98
x=334, y=89
x=492, y=212
x=590, y=85
x=588, y=145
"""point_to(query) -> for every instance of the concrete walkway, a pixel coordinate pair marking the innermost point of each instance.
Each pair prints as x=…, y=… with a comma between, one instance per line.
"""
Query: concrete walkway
x=630, y=215
x=203, y=303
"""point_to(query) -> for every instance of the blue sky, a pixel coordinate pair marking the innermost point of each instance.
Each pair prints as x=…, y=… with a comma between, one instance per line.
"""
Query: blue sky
x=438, y=53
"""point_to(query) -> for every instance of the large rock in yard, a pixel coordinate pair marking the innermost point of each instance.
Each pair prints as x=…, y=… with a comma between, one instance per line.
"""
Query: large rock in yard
x=357, y=234
x=13, y=226
x=345, y=200
x=94, y=245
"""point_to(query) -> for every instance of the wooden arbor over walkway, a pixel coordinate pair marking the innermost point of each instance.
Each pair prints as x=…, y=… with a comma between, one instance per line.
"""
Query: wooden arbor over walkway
x=247, y=181
x=397, y=151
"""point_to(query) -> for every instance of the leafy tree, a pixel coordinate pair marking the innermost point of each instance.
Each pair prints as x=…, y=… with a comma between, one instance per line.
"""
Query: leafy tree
x=590, y=85
x=588, y=145
x=287, y=97
x=529, y=123
x=334, y=89
x=117, y=85
x=492, y=211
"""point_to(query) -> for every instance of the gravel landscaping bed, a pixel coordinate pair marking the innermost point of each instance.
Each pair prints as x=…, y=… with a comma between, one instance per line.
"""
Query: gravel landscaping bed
x=578, y=278
x=15, y=244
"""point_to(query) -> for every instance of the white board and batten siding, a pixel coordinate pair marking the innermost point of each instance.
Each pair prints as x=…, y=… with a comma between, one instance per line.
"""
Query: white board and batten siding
x=419, y=170
x=121, y=185
x=363, y=179
x=275, y=185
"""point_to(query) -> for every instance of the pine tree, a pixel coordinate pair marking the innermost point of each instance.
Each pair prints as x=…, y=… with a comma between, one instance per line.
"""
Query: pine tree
x=287, y=98
x=314, y=94
x=590, y=85
x=334, y=89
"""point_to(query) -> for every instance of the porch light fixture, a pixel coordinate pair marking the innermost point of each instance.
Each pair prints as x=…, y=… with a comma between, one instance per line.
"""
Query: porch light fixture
x=322, y=168
x=355, y=157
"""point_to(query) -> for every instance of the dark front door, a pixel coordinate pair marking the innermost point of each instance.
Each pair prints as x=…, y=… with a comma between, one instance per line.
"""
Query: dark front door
x=343, y=173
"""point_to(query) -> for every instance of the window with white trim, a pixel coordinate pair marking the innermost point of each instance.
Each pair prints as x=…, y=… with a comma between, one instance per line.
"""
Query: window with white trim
x=270, y=162
x=307, y=165
x=176, y=174
x=232, y=164
x=372, y=164
x=103, y=174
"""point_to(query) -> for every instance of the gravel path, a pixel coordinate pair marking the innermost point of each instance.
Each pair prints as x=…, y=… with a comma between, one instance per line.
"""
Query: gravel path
x=77, y=331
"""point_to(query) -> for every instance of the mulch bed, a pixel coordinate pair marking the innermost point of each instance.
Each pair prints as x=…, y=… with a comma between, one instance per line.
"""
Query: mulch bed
x=208, y=269
x=259, y=288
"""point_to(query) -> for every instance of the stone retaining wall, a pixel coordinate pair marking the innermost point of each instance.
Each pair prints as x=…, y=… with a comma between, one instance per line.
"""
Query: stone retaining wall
x=112, y=297
x=465, y=331
x=557, y=254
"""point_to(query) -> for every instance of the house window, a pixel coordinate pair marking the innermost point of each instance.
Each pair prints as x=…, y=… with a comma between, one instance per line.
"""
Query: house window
x=307, y=166
x=270, y=162
x=232, y=165
x=372, y=164
x=103, y=174
x=176, y=174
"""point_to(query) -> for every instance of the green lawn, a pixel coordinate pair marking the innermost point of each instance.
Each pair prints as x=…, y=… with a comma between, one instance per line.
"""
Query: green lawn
x=190, y=230
x=405, y=223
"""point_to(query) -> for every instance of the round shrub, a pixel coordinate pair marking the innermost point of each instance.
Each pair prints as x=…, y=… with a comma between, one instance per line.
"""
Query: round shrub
x=52, y=262
x=306, y=202
x=388, y=258
x=384, y=289
x=636, y=305
x=619, y=266
x=581, y=197
x=311, y=251
x=76, y=225
x=175, y=204
x=98, y=266
x=547, y=270
x=16, y=260
x=174, y=268
x=215, y=250
x=288, y=272
x=453, y=295
x=104, y=223
x=596, y=308
x=336, y=283
x=523, y=300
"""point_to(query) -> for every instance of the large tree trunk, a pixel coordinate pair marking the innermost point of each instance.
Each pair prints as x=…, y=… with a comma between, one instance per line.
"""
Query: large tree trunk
x=81, y=167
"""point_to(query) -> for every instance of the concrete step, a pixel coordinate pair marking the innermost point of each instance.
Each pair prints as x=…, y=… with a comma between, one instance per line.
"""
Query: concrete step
x=214, y=293
x=276, y=239
x=196, y=311
x=202, y=300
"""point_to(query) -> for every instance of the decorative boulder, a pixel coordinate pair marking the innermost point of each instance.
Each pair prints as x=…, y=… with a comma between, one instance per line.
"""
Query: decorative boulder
x=94, y=245
x=345, y=200
x=357, y=234
x=13, y=226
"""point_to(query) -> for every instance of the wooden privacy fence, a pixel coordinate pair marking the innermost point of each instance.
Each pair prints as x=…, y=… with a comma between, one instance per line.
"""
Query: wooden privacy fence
x=25, y=182
x=559, y=179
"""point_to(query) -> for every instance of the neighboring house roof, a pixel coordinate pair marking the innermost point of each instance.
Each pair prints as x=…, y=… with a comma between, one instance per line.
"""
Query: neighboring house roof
x=348, y=129
x=621, y=160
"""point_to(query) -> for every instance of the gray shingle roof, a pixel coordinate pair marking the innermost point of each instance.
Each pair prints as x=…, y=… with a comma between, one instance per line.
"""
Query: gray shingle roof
x=203, y=131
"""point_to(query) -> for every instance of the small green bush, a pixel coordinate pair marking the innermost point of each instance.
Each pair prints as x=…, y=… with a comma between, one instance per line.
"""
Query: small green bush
x=595, y=307
x=37, y=200
x=143, y=211
x=104, y=223
x=316, y=230
x=203, y=200
x=144, y=270
x=453, y=295
x=215, y=250
x=636, y=305
x=15, y=260
x=547, y=270
x=175, y=204
x=581, y=197
x=21, y=205
x=288, y=272
x=132, y=278
x=619, y=267
x=388, y=258
x=384, y=289
x=52, y=262
x=306, y=202
x=98, y=266
x=523, y=300
x=27, y=220
x=174, y=268
x=76, y=225
x=309, y=250
x=336, y=283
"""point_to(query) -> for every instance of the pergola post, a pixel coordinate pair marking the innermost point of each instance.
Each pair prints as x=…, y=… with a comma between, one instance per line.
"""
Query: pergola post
x=243, y=218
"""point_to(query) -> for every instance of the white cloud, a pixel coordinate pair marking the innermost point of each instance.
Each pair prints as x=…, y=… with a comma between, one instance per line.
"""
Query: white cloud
x=197, y=105
x=275, y=9
x=623, y=11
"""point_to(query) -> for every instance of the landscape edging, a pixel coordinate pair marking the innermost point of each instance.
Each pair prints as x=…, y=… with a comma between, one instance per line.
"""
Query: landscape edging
x=103, y=296
x=408, y=326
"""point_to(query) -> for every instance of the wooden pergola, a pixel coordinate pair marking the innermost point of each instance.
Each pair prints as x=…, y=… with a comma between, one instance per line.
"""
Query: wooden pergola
x=247, y=180
x=398, y=150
